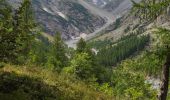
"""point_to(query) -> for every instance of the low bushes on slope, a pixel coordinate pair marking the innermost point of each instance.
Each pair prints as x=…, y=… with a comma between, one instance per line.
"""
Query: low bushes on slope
x=23, y=83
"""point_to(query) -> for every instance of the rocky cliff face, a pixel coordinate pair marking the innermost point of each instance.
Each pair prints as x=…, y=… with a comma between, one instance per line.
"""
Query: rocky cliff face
x=66, y=16
x=109, y=5
x=114, y=6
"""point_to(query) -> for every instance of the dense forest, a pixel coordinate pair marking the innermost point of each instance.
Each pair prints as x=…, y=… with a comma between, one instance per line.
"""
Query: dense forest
x=35, y=68
x=117, y=52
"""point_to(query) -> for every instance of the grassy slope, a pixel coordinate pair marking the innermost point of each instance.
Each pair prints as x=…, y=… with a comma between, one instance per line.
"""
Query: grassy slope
x=28, y=83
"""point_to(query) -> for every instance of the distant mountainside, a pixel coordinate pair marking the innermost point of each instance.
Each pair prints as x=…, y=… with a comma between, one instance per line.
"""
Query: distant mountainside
x=114, y=6
x=72, y=18
x=66, y=16
x=108, y=4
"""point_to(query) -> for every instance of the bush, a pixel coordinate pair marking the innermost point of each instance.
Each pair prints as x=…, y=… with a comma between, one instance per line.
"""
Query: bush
x=32, y=83
x=2, y=64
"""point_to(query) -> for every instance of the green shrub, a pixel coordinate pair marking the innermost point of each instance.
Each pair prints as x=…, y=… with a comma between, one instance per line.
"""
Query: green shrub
x=2, y=64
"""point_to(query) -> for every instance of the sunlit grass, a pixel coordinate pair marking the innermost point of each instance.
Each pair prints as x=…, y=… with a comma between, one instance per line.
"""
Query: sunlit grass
x=68, y=86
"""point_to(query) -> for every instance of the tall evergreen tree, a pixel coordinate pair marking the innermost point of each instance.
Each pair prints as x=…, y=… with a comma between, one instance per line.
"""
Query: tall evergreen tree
x=57, y=57
x=81, y=46
x=7, y=36
x=85, y=63
x=23, y=26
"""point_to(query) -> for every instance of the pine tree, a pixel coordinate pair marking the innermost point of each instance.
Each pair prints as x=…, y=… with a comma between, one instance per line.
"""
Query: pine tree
x=23, y=26
x=7, y=36
x=81, y=46
x=57, y=57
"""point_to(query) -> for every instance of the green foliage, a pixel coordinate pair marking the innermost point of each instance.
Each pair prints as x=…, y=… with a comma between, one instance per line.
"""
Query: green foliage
x=81, y=66
x=120, y=51
x=23, y=26
x=57, y=58
x=84, y=65
x=15, y=32
x=148, y=64
x=130, y=84
x=149, y=10
x=127, y=81
x=106, y=88
x=168, y=93
x=7, y=36
x=33, y=83
x=2, y=64
x=127, y=29
x=98, y=44
x=39, y=52
x=163, y=47
x=117, y=23
x=81, y=46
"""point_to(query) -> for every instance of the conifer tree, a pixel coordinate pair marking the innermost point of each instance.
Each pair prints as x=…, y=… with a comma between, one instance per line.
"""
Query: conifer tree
x=57, y=57
x=23, y=27
x=7, y=36
x=81, y=46
x=89, y=70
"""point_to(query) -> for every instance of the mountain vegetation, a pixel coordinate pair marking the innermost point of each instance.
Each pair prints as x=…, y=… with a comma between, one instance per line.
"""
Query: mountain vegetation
x=34, y=68
x=120, y=51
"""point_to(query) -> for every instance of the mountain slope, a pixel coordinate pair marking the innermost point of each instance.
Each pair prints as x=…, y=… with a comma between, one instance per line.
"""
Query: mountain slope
x=35, y=83
x=66, y=16
x=75, y=17
x=114, y=6
x=121, y=9
x=110, y=18
x=108, y=4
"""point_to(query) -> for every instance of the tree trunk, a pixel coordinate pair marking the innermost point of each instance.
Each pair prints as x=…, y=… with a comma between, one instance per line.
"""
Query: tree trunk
x=165, y=79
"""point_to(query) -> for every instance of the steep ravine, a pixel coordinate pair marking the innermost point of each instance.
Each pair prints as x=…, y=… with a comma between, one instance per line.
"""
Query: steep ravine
x=110, y=18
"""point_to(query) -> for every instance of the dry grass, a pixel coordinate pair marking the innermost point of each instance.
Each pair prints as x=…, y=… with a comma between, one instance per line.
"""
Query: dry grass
x=50, y=38
x=67, y=85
